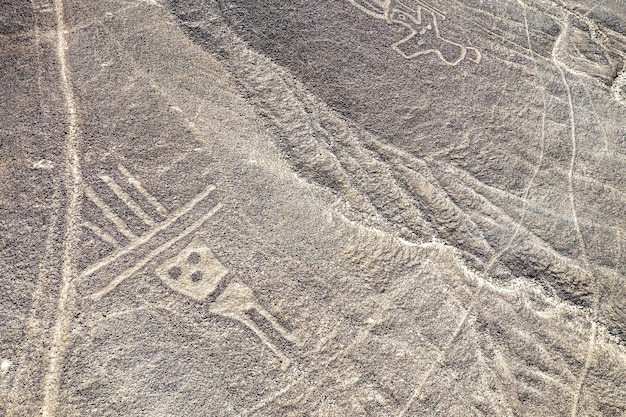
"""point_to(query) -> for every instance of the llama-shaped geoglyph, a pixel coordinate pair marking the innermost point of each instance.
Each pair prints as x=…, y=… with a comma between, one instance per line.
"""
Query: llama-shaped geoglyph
x=193, y=271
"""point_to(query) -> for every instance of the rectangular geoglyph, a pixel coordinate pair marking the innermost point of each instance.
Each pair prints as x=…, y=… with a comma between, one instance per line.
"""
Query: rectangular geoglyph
x=194, y=272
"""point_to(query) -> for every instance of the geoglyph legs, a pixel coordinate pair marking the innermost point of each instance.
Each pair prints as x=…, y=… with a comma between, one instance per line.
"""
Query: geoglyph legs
x=236, y=302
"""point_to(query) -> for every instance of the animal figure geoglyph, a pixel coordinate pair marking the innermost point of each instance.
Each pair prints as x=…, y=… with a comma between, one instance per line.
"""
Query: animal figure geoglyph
x=424, y=36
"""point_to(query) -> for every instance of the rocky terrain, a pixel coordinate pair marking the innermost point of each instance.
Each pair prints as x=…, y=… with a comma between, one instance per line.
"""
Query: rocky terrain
x=313, y=208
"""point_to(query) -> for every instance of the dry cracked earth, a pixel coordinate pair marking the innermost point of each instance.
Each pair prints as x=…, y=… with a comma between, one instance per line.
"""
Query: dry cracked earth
x=313, y=208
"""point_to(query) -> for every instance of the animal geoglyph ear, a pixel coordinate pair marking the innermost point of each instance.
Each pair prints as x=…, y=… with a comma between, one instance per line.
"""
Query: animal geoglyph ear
x=378, y=9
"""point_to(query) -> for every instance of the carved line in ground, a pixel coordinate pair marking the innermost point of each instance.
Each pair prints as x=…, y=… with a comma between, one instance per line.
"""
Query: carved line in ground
x=441, y=201
x=135, y=243
x=74, y=185
x=236, y=301
x=194, y=272
x=501, y=390
x=473, y=183
x=537, y=32
x=493, y=16
x=440, y=352
x=618, y=239
x=270, y=398
x=109, y=213
x=37, y=41
x=579, y=56
x=135, y=183
x=128, y=200
x=570, y=175
x=350, y=144
x=429, y=180
x=360, y=337
x=589, y=76
x=503, y=369
x=461, y=16
x=537, y=242
x=361, y=232
x=435, y=27
x=368, y=155
x=577, y=177
x=192, y=328
x=600, y=36
x=297, y=104
x=544, y=351
x=160, y=90
x=33, y=326
x=597, y=35
x=594, y=111
x=592, y=338
x=386, y=5
x=524, y=69
x=101, y=234
x=437, y=362
x=540, y=348
x=497, y=256
x=428, y=7
x=146, y=237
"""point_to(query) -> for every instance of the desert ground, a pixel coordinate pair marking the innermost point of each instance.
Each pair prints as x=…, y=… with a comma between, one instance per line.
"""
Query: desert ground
x=333, y=208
